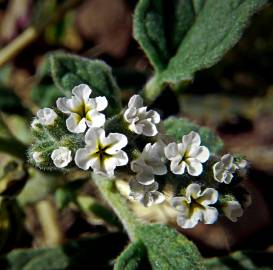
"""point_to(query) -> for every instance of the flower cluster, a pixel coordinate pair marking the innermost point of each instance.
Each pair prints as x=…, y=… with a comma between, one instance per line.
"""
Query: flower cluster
x=75, y=134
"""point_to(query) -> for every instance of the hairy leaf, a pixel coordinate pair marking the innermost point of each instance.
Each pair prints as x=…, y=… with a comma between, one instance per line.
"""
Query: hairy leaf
x=177, y=127
x=181, y=37
x=132, y=258
x=70, y=70
x=167, y=249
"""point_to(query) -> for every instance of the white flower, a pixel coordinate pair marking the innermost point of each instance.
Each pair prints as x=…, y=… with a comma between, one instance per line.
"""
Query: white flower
x=61, y=157
x=242, y=164
x=82, y=109
x=149, y=163
x=140, y=120
x=37, y=157
x=34, y=123
x=188, y=154
x=224, y=169
x=195, y=206
x=146, y=194
x=46, y=117
x=102, y=154
x=232, y=210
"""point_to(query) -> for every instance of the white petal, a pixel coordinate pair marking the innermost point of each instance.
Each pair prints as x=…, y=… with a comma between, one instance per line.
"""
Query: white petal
x=171, y=151
x=109, y=165
x=155, y=117
x=187, y=222
x=121, y=158
x=199, y=152
x=158, y=197
x=61, y=157
x=101, y=103
x=75, y=123
x=228, y=178
x=242, y=164
x=46, y=116
x=194, y=167
x=115, y=141
x=181, y=204
x=135, y=101
x=94, y=135
x=178, y=166
x=62, y=105
x=210, y=215
x=193, y=190
x=142, y=192
x=191, y=138
x=159, y=169
x=129, y=114
x=95, y=119
x=137, y=165
x=145, y=177
x=233, y=210
x=208, y=196
x=149, y=129
x=99, y=168
x=82, y=158
x=218, y=171
x=137, y=128
x=75, y=104
x=227, y=160
x=37, y=157
x=82, y=91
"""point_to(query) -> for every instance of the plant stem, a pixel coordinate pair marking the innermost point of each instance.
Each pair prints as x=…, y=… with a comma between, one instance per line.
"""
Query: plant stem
x=152, y=89
x=33, y=32
x=118, y=203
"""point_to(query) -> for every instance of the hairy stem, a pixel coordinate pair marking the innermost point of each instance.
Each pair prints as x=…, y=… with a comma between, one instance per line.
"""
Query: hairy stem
x=33, y=32
x=152, y=89
x=118, y=203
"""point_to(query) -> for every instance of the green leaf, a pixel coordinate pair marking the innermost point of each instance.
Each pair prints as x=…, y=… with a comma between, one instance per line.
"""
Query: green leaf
x=181, y=37
x=167, y=249
x=132, y=258
x=38, y=186
x=177, y=127
x=242, y=260
x=69, y=71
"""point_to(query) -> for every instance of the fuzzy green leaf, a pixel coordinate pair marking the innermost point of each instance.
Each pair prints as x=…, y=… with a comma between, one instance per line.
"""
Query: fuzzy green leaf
x=177, y=127
x=181, y=37
x=132, y=258
x=243, y=260
x=70, y=70
x=167, y=249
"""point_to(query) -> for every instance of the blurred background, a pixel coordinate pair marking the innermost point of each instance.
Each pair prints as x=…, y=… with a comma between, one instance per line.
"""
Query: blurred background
x=234, y=98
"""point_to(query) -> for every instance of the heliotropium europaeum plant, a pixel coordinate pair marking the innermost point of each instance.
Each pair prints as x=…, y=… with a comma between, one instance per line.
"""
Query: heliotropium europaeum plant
x=76, y=134
x=172, y=161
